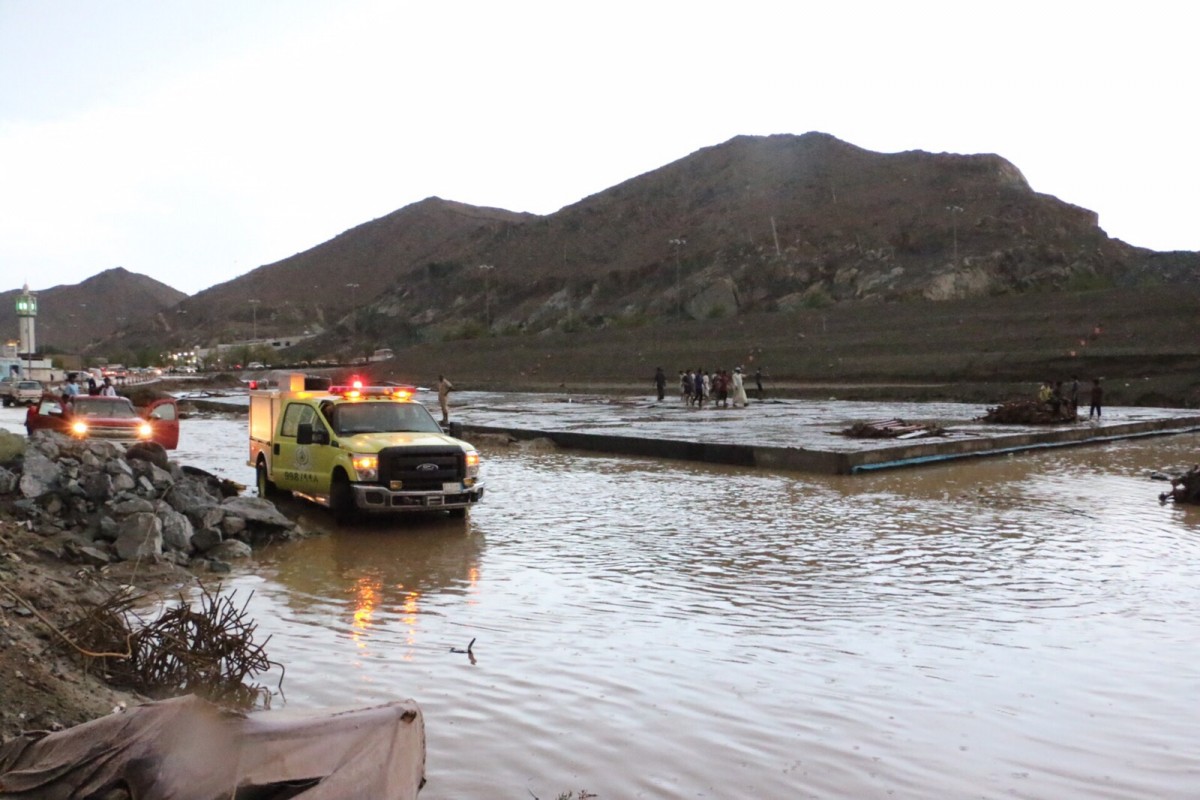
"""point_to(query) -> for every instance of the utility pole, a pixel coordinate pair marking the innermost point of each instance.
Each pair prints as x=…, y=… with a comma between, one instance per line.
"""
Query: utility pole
x=677, y=244
x=954, y=212
x=487, y=294
x=353, y=287
x=254, y=323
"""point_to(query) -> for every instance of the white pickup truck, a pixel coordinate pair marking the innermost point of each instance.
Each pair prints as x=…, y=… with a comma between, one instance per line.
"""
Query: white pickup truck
x=19, y=391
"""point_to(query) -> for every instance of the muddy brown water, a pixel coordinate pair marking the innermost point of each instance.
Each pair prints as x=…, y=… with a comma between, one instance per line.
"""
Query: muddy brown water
x=1026, y=626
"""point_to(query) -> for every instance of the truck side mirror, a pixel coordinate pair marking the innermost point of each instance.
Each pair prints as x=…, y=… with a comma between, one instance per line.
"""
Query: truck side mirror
x=307, y=434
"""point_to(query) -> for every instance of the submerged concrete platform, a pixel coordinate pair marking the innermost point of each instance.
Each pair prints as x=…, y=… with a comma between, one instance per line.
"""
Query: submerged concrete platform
x=802, y=435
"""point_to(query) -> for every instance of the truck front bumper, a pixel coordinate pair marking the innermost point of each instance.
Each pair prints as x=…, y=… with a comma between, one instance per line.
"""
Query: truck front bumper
x=374, y=498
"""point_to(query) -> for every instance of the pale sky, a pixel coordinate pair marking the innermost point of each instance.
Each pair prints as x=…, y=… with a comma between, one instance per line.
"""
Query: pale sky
x=194, y=141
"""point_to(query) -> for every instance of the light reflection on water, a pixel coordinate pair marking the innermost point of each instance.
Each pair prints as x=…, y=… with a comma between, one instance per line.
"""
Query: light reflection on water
x=1027, y=626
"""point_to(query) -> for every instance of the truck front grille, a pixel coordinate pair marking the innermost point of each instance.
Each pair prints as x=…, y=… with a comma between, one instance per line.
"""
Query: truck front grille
x=421, y=469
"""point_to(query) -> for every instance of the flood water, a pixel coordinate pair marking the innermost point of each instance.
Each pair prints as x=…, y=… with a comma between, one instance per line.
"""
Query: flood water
x=1017, y=627
x=1026, y=626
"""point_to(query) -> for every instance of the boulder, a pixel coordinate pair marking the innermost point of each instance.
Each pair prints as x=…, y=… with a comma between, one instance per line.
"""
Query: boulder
x=153, y=452
x=140, y=537
x=8, y=481
x=177, y=530
x=256, y=510
x=206, y=539
x=12, y=446
x=39, y=474
x=228, y=550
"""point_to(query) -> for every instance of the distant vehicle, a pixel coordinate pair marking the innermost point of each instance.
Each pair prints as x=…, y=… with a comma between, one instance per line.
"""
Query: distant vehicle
x=255, y=365
x=113, y=419
x=18, y=391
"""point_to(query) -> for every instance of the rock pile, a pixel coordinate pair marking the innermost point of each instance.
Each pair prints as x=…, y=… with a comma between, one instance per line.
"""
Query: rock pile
x=124, y=504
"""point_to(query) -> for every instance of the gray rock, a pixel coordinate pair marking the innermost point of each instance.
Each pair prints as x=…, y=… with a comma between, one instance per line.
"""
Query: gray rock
x=90, y=460
x=231, y=526
x=229, y=550
x=108, y=529
x=9, y=481
x=117, y=466
x=96, y=486
x=177, y=530
x=145, y=487
x=187, y=495
x=39, y=474
x=205, y=539
x=140, y=537
x=105, y=451
x=219, y=567
x=256, y=510
x=136, y=505
x=123, y=483
x=160, y=477
x=151, y=452
x=206, y=516
x=94, y=556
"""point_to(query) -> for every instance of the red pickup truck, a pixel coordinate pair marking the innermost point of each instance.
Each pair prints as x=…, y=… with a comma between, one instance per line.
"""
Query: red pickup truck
x=113, y=419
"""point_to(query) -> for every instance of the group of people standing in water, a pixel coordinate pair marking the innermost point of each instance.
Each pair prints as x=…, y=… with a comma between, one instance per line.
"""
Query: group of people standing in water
x=721, y=388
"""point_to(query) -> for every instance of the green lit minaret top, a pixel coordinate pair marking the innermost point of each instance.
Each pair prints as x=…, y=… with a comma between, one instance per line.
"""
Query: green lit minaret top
x=26, y=303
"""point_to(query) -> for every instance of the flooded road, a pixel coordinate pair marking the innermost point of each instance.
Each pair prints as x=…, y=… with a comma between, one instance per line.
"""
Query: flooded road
x=1013, y=627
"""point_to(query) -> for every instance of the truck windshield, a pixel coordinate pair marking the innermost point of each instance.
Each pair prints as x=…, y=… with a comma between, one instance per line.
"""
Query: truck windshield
x=351, y=418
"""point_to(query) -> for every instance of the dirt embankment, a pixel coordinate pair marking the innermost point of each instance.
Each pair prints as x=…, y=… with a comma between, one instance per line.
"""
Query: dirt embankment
x=83, y=526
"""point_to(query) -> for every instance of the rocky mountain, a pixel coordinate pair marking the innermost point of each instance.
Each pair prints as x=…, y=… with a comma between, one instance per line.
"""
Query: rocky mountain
x=755, y=224
x=70, y=317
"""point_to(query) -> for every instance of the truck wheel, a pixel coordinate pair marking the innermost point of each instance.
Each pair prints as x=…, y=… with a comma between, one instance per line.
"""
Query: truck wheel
x=8, y=402
x=341, y=498
x=266, y=487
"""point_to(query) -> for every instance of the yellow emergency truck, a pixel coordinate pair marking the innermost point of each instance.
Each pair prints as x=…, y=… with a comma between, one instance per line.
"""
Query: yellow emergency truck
x=358, y=448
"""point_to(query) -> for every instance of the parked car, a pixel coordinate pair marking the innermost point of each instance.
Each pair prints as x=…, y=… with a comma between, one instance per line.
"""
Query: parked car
x=19, y=391
x=113, y=419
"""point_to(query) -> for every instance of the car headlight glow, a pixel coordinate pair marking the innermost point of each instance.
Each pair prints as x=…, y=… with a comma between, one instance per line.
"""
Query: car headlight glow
x=366, y=465
x=79, y=428
x=473, y=462
x=145, y=430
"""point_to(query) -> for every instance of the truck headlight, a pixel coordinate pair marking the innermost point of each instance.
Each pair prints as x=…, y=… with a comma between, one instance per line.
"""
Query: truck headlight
x=473, y=464
x=145, y=431
x=79, y=428
x=366, y=465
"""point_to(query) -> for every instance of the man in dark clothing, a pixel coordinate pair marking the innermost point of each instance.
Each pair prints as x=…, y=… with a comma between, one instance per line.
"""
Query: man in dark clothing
x=1097, y=399
x=660, y=383
x=758, y=382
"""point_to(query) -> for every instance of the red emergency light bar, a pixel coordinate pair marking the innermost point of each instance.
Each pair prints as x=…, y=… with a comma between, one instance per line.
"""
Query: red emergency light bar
x=357, y=390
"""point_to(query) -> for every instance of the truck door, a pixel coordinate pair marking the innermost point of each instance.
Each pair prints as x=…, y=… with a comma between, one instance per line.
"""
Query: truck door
x=164, y=418
x=295, y=464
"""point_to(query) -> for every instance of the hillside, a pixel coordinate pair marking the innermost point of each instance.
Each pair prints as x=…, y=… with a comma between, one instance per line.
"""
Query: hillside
x=70, y=317
x=755, y=225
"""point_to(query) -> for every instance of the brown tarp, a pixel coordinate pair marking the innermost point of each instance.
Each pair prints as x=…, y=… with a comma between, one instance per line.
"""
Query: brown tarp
x=187, y=749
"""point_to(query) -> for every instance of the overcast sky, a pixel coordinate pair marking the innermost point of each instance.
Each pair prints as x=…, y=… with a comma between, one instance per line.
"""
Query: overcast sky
x=195, y=141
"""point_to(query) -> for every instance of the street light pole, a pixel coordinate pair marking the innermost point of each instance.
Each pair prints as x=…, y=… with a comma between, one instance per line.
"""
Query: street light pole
x=678, y=243
x=487, y=295
x=353, y=307
x=254, y=312
x=954, y=212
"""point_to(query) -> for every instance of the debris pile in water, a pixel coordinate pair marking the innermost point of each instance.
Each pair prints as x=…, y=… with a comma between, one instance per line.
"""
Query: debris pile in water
x=1029, y=412
x=891, y=429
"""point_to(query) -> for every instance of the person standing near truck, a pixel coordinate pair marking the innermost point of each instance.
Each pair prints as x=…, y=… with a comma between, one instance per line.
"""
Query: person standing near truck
x=444, y=389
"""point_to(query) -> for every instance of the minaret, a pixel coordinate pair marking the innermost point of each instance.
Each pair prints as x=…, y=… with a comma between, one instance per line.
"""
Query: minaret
x=26, y=312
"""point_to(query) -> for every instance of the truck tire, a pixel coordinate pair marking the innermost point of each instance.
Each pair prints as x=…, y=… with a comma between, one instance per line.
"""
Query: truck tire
x=266, y=487
x=341, y=498
x=8, y=401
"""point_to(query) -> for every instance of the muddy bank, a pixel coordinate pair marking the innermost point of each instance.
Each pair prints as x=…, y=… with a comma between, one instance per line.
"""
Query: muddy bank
x=82, y=522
